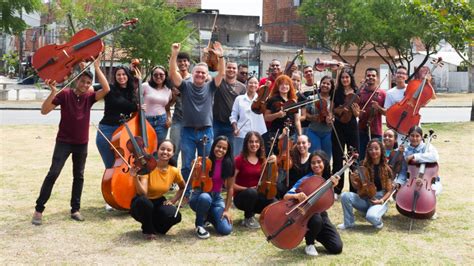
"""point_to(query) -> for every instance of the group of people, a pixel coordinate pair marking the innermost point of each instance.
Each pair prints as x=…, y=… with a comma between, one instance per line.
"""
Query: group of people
x=335, y=118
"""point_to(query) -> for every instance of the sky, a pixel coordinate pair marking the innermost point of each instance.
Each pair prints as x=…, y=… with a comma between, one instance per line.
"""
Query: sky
x=235, y=7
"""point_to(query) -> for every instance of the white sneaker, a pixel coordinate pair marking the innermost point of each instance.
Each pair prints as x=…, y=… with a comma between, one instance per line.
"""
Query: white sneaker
x=251, y=223
x=336, y=197
x=380, y=226
x=202, y=233
x=311, y=250
x=344, y=227
x=435, y=216
x=108, y=208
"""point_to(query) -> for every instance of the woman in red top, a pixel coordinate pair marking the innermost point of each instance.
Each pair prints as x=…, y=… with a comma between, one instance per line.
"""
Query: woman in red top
x=248, y=167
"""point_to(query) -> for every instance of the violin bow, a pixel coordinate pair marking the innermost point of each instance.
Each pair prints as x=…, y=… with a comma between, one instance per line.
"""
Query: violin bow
x=373, y=93
x=266, y=161
x=111, y=145
x=80, y=73
x=185, y=186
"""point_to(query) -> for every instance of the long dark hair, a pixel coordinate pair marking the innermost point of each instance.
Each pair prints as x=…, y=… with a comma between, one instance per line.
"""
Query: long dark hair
x=228, y=168
x=339, y=94
x=384, y=168
x=172, y=161
x=327, y=168
x=331, y=80
x=245, y=149
x=130, y=89
x=296, y=155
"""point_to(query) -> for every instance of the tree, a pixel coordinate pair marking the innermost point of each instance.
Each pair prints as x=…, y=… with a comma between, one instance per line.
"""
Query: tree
x=11, y=21
x=159, y=26
x=388, y=27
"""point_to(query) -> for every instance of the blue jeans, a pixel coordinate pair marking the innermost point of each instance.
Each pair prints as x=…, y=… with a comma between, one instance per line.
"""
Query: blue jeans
x=320, y=141
x=158, y=123
x=210, y=206
x=225, y=129
x=373, y=213
x=175, y=136
x=190, y=142
x=363, y=141
x=105, y=150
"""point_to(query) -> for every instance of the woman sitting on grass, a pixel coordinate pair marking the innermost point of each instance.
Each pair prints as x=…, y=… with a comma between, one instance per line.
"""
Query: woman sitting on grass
x=149, y=206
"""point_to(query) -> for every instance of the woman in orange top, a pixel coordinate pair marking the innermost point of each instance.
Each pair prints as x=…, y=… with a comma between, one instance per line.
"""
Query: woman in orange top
x=149, y=206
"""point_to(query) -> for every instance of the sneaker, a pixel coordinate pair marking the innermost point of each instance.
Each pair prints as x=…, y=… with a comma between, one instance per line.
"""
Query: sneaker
x=174, y=187
x=344, y=227
x=207, y=224
x=336, y=196
x=202, y=233
x=311, y=250
x=251, y=223
x=149, y=236
x=435, y=216
x=77, y=216
x=37, y=218
x=108, y=208
x=380, y=226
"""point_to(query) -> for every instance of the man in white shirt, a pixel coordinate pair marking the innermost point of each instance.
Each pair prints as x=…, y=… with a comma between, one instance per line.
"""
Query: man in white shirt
x=396, y=94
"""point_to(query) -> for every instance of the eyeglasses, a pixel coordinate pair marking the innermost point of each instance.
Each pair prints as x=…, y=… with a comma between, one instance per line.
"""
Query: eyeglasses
x=244, y=73
x=156, y=75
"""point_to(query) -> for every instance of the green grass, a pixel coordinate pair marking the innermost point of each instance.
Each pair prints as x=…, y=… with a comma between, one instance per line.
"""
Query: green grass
x=115, y=238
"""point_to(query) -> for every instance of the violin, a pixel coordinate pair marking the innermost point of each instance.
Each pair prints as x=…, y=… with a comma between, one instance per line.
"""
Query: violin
x=284, y=223
x=344, y=112
x=200, y=175
x=289, y=64
x=56, y=62
x=267, y=184
x=322, y=106
x=365, y=186
x=321, y=65
x=290, y=106
x=405, y=114
x=211, y=59
x=418, y=200
x=260, y=104
x=284, y=159
x=395, y=159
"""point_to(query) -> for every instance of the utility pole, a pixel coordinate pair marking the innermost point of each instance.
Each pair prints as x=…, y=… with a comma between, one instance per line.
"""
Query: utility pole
x=20, y=52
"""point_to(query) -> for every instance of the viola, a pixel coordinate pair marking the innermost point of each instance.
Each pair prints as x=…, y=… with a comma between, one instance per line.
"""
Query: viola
x=321, y=65
x=344, y=112
x=284, y=223
x=289, y=64
x=419, y=200
x=365, y=187
x=56, y=62
x=405, y=114
x=200, y=175
x=267, y=183
x=259, y=105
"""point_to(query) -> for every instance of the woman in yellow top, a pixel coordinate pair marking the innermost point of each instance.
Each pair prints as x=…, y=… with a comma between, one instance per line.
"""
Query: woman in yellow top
x=149, y=206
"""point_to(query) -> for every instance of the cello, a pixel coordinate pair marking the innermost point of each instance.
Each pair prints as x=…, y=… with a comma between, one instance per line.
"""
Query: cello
x=405, y=114
x=118, y=187
x=284, y=223
x=56, y=62
x=417, y=199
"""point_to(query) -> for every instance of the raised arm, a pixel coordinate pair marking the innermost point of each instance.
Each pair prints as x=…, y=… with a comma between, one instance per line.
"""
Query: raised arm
x=48, y=105
x=102, y=80
x=175, y=77
x=219, y=51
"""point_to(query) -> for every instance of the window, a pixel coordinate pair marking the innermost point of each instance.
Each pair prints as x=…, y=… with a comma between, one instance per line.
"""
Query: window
x=297, y=2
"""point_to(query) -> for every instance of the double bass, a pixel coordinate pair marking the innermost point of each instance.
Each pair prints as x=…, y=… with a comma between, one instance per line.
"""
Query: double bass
x=118, y=188
x=284, y=223
x=417, y=199
x=405, y=114
x=56, y=62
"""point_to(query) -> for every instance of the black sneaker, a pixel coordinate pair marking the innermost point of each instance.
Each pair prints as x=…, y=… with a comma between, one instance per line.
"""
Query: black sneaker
x=202, y=233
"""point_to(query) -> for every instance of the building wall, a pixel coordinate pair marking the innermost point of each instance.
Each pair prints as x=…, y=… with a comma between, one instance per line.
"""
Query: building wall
x=280, y=23
x=185, y=3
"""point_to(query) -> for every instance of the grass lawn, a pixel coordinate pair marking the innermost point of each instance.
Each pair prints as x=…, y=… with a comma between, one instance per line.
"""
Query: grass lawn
x=115, y=238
